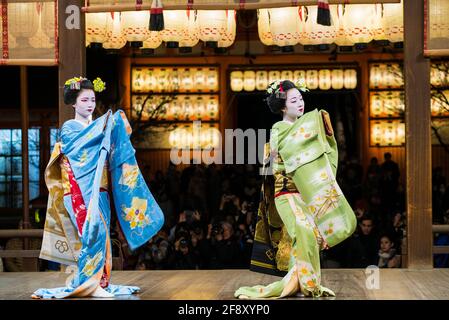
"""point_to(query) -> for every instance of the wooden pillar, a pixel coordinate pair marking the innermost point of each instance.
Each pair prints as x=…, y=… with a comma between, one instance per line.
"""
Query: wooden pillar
x=418, y=139
x=25, y=124
x=72, y=49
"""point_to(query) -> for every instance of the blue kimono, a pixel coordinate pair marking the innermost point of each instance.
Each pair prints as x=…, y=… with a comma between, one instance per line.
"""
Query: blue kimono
x=78, y=213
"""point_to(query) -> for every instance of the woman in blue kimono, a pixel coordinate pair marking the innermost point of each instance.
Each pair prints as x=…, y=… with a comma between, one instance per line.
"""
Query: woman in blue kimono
x=92, y=161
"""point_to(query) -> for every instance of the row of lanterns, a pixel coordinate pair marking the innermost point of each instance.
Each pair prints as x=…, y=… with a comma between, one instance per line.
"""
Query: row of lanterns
x=391, y=104
x=182, y=28
x=387, y=132
x=323, y=79
x=390, y=75
x=179, y=79
x=181, y=108
x=355, y=23
x=190, y=137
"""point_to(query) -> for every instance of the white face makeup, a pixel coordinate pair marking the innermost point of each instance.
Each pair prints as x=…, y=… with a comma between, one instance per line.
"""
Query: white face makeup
x=85, y=105
x=294, y=105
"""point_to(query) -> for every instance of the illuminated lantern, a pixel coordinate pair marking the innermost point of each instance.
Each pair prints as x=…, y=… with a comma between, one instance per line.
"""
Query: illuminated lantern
x=228, y=36
x=263, y=27
x=98, y=27
x=342, y=35
x=378, y=26
x=236, y=81
x=212, y=24
x=175, y=25
x=393, y=21
x=376, y=105
x=337, y=79
x=212, y=107
x=299, y=75
x=199, y=79
x=199, y=108
x=359, y=22
x=135, y=26
x=249, y=80
x=376, y=132
x=186, y=80
x=284, y=26
x=190, y=36
x=115, y=39
x=212, y=79
x=273, y=76
x=438, y=76
x=324, y=79
x=312, y=79
x=375, y=76
x=187, y=107
x=174, y=138
x=261, y=80
x=23, y=19
x=287, y=75
x=210, y=138
x=315, y=33
x=152, y=42
x=350, y=79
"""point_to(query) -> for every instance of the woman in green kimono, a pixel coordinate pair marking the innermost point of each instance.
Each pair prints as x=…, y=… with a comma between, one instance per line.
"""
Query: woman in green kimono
x=314, y=212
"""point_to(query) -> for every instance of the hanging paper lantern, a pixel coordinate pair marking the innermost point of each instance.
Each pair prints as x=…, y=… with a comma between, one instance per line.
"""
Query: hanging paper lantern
x=115, y=39
x=98, y=27
x=153, y=41
x=212, y=79
x=200, y=79
x=175, y=25
x=187, y=107
x=228, y=36
x=249, y=80
x=186, y=80
x=273, y=76
x=261, y=80
x=135, y=26
x=342, y=36
x=312, y=79
x=212, y=107
x=387, y=133
x=358, y=22
x=190, y=36
x=212, y=24
x=378, y=29
x=337, y=79
x=199, y=107
x=287, y=75
x=324, y=81
x=315, y=33
x=263, y=27
x=284, y=26
x=210, y=138
x=236, y=81
x=438, y=74
x=393, y=21
x=23, y=19
x=299, y=75
x=350, y=79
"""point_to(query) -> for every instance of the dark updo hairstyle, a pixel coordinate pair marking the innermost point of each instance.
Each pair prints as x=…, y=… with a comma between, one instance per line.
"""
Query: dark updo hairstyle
x=275, y=101
x=70, y=95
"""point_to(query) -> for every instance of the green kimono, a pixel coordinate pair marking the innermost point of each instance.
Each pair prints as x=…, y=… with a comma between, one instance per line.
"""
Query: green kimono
x=313, y=211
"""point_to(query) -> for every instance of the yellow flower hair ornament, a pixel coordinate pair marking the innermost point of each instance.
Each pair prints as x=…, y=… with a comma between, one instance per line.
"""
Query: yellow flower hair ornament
x=99, y=85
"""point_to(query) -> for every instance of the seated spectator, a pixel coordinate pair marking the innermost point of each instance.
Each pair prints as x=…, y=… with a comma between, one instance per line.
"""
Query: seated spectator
x=363, y=245
x=388, y=257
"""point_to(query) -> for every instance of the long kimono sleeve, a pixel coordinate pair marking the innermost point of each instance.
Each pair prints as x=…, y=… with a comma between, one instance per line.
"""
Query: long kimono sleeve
x=139, y=215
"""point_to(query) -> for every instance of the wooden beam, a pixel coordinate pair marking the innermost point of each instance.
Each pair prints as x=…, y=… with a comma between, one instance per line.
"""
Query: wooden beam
x=72, y=52
x=221, y=6
x=418, y=142
x=21, y=233
x=19, y=253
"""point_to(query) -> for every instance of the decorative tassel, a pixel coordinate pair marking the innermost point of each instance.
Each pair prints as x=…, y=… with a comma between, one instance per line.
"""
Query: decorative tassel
x=324, y=15
x=157, y=16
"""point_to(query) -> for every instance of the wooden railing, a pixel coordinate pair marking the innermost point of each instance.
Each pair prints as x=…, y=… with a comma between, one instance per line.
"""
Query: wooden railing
x=440, y=228
x=20, y=233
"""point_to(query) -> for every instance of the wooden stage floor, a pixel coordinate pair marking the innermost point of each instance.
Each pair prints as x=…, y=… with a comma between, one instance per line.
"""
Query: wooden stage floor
x=220, y=284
